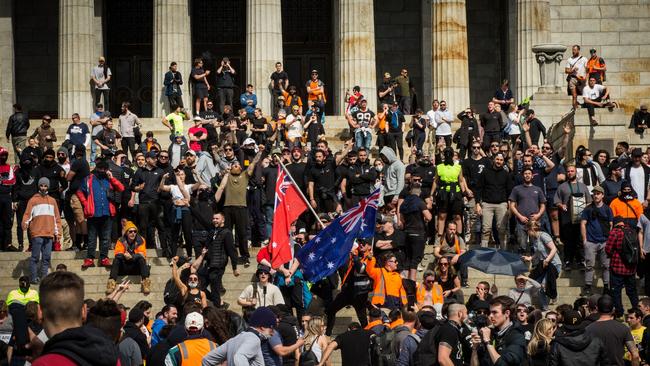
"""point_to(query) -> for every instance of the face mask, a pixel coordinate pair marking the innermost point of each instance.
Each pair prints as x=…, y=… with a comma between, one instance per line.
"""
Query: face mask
x=24, y=286
x=627, y=196
x=101, y=175
x=379, y=168
x=48, y=163
x=146, y=320
x=61, y=160
x=193, y=285
x=43, y=191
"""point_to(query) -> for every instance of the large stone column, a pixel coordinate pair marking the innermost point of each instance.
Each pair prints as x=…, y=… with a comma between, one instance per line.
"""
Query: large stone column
x=171, y=42
x=450, y=70
x=355, y=62
x=263, y=47
x=76, y=56
x=533, y=23
x=7, y=84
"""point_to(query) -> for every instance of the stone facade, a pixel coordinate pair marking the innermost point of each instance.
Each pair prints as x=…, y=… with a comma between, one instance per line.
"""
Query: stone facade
x=620, y=31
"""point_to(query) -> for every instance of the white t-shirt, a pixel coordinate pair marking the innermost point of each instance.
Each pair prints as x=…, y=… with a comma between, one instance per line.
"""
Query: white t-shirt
x=593, y=93
x=98, y=73
x=637, y=179
x=176, y=193
x=273, y=295
x=513, y=117
x=431, y=115
x=443, y=128
x=580, y=63
x=294, y=127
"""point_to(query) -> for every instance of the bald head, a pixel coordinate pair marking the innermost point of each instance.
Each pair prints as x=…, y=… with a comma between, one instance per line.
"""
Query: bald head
x=456, y=312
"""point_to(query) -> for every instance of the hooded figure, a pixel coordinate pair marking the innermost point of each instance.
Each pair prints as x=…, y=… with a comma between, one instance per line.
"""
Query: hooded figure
x=575, y=348
x=395, y=171
x=82, y=346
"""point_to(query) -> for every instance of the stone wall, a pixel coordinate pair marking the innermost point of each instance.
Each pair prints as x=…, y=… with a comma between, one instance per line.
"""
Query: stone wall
x=398, y=40
x=487, y=37
x=36, y=49
x=620, y=32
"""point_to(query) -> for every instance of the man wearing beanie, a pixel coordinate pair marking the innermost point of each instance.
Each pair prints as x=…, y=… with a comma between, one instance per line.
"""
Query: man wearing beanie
x=190, y=352
x=627, y=205
x=246, y=348
x=94, y=195
x=130, y=258
x=43, y=221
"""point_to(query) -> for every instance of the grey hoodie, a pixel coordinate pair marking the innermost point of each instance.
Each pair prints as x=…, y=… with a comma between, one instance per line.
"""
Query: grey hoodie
x=394, y=182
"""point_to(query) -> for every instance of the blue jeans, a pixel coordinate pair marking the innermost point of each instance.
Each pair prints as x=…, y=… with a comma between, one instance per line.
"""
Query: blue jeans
x=99, y=226
x=40, y=245
x=618, y=282
x=362, y=139
x=93, y=149
x=268, y=212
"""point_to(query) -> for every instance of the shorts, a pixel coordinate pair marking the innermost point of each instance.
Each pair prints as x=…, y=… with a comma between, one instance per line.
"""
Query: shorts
x=414, y=250
x=77, y=209
x=576, y=83
x=451, y=204
x=201, y=93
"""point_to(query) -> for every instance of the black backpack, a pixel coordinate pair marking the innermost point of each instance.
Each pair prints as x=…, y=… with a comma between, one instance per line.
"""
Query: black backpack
x=426, y=354
x=381, y=352
x=630, y=246
x=308, y=357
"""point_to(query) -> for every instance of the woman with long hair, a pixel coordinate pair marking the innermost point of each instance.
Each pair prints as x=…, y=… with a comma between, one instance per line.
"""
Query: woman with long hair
x=539, y=347
x=602, y=159
x=446, y=275
x=315, y=341
x=217, y=321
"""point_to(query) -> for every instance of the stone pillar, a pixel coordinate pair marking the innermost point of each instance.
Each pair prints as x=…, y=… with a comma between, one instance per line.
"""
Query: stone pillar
x=549, y=56
x=426, y=99
x=7, y=84
x=450, y=69
x=99, y=30
x=533, y=24
x=171, y=42
x=76, y=56
x=355, y=62
x=263, y=47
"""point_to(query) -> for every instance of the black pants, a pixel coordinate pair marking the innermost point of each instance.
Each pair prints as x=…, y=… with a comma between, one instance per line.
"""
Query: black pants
x=396, y=142
x=590, y=107
x=382, y=140
x=570, y=235
x=128, y=143
x=256, y=217
x=618, y=282
x=20, y=211
x=225, y=97
x=644, y=270
x=98, y=95
x=200, y=240
x=184, y=224
x=135, y=266
x=174, y=102
x=293, y=297
x=490, y=137
x=149, y=217
x=346, y=297
x=6, y=221
x=215, y=276
x=238, y=217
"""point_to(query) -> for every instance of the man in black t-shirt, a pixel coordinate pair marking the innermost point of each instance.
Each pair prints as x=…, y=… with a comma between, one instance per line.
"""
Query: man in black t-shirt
x=491, y=123
x=353, y=345
x=448, y=339
x=390, y=239
x=210, y=123
x=225, y=83
x=279, y=82
x=414, y=215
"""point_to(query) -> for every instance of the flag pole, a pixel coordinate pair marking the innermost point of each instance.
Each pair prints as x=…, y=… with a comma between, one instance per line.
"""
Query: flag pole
x=284, y=168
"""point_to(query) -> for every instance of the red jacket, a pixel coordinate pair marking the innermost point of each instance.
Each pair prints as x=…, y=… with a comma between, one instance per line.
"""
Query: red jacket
x=88, y=202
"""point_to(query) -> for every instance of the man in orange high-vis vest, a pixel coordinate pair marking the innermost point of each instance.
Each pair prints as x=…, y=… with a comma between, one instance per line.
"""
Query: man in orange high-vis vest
x=191, y=351
x=429, y=292
x=388, y=291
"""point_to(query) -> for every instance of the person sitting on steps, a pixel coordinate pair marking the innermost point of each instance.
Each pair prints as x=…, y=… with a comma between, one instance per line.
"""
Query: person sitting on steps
x=130, y=258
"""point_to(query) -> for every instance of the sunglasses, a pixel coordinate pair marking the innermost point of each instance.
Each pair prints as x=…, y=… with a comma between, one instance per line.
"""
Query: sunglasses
x=494, y=145
x=444, y=264
x=163, y=157
x=476, y=147
x=227, y=149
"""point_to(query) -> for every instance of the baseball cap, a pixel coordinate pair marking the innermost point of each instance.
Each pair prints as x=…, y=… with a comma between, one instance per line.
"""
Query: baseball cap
x=194, y=320
x=197, y=118
x=152, y=154
x=598, y=189
x=190, y=152
x=571, y=319
x=263, y=317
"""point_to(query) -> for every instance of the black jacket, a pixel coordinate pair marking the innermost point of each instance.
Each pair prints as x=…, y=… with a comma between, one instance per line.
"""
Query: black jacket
x=221, y=248
x=494, y=186
x=18, y=125
x=577, y=349
x=639, y=119
x=511, y=346
x=467, y=131
x=131, y=331
x=361, y=185
x=86, y=346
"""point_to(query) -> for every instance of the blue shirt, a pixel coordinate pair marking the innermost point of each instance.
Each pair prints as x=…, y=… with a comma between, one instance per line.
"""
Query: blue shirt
x=100, y=189
x=157, y=326
x=596, y=217
x=244, y=98
x=78, y=133
x=270, y=357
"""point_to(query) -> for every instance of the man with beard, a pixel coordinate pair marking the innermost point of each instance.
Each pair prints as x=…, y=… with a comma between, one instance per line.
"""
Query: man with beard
x=99, y=210
x=220, y=248
x=26, y=186
x=570, y=211
x=425, y=170
x=361, y=178
x=188, y=167
x=145, y=183
x=235, y=184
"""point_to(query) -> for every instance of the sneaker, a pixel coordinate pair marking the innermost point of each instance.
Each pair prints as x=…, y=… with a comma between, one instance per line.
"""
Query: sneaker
x=88, y=262
x=586, y=291
x=465, y=284
x=35, y=281
x=105, y=262
x=11, y=248
x=247, y=263
x=110, y=286
x=567, y=266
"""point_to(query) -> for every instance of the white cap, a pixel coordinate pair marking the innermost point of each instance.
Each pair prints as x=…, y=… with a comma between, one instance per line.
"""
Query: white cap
x=194, y=320
x=197, y=118
x=249, y=141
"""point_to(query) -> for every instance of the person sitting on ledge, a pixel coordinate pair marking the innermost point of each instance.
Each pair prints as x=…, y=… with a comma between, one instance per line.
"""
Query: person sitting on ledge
x=130, y=259
x=595, y=96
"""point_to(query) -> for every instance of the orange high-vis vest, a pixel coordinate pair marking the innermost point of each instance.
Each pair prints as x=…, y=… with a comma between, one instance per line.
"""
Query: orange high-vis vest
x=436, y=294
x=593, y=63
x=193, y=350
x=384, y=284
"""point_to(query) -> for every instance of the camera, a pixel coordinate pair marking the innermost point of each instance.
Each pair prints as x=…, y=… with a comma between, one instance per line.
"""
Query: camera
x=480, y=321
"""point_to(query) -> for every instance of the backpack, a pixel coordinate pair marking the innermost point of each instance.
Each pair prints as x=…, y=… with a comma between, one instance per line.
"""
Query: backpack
x=630, y=246
x=381, y=352
x=426, y=354
x=308, y=357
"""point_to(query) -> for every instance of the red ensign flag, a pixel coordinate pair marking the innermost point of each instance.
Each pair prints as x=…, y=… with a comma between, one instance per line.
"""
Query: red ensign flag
x=288, y=206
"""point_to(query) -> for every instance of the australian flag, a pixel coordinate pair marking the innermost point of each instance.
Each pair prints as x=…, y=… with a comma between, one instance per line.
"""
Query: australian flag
x=330, y=249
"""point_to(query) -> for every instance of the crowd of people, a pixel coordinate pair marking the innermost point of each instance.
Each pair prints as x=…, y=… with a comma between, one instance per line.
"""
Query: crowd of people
x=206, y=197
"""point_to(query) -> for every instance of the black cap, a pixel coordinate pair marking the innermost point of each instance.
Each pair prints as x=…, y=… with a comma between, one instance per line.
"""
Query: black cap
x=571, y=319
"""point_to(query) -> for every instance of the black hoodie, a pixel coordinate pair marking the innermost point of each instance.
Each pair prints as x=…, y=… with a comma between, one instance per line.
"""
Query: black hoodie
x=132, y=331
x=576, y=348
x=81, y=345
